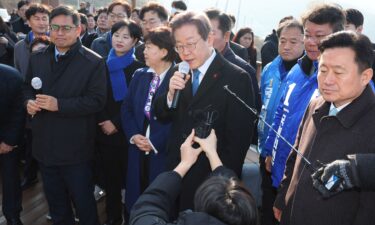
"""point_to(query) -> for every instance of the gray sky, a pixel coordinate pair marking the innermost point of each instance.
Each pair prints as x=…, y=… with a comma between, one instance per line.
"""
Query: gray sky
x=263, y=15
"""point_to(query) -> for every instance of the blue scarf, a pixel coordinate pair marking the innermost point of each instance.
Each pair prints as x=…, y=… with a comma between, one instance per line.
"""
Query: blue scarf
x=116, y=66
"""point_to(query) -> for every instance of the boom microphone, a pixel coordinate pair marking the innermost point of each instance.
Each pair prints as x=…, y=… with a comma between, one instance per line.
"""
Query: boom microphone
x=184, y=68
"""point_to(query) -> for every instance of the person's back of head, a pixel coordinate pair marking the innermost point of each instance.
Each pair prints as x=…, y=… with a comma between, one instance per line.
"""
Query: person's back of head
x=354, y=20
x=179, y=5
x=227, y=200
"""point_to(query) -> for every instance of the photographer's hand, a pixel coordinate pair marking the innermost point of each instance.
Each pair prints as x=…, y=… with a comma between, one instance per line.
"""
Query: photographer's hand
x=189, y=155
x=3, y=41
x=209, y=146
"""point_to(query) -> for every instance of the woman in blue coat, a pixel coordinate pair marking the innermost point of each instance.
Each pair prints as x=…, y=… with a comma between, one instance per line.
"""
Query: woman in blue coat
x=146, y=134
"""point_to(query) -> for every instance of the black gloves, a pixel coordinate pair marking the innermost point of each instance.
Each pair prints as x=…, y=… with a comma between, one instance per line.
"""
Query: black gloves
x=335, y=177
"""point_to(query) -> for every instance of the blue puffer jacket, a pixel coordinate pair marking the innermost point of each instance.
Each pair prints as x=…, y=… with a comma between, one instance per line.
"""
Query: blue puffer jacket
x=299, y=91
x=272, y=86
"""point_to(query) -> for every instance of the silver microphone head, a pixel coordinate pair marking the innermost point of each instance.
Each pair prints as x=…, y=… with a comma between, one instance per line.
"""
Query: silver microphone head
x=183, y=67
x=36, y=83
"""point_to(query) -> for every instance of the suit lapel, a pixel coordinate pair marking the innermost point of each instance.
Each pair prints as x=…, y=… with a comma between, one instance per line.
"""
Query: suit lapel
x=210, y=78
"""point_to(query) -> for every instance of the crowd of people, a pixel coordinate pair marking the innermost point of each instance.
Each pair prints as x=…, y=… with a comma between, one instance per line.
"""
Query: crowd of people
x=157, y=110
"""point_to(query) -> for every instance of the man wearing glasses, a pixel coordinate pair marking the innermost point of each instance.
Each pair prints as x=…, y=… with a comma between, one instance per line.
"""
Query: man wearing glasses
x=152, y=15
x=201, y=88
x=63, y=111
x=117, y=10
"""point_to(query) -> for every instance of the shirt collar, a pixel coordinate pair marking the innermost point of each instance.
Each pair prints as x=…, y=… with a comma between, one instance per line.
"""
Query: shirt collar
x=58, y=53
x=161, y=76
x=338, y=108
x=203, y=68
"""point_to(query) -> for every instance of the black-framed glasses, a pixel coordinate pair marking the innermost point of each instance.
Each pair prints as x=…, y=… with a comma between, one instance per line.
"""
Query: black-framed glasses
x=189, y=46
x=63, y=28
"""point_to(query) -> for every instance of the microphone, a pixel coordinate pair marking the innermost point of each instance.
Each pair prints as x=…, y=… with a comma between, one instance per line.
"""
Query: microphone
x=36, y=83
x=184, y=68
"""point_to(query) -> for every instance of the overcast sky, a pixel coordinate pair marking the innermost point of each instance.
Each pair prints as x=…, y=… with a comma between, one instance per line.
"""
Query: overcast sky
x=263, y=15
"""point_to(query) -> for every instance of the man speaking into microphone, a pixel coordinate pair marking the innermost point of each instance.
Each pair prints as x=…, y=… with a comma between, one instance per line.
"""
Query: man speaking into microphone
x=203, y=88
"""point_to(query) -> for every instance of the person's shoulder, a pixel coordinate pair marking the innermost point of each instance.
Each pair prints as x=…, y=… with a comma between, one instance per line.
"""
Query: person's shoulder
x=90, y=54
x=10, y=73
x=192, y=218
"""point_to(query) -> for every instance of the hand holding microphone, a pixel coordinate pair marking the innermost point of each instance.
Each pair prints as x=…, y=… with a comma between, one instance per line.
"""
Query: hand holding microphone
x=177, y=83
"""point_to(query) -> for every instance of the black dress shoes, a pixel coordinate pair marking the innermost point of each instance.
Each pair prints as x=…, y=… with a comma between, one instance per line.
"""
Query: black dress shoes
x=14, y=221
x=26, y=183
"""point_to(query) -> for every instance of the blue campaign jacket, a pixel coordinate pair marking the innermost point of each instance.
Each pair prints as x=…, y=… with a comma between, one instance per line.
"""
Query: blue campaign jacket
x=299, y=91
x=133, y=122
x=272, y=86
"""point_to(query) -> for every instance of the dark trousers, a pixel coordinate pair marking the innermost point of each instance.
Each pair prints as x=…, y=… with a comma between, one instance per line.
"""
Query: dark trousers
x=268, y=197
x=113, y=161
x=67, y=183
x=12, y=194
x=31, y=165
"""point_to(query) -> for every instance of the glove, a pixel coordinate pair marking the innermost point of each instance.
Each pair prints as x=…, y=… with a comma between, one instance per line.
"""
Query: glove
x=335, y=177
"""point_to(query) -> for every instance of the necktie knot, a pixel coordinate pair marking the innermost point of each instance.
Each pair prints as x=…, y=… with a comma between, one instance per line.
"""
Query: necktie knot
x=333, y=111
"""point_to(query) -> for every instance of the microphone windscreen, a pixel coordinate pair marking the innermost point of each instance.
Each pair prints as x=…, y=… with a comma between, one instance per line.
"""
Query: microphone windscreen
x=183, y=67
x=36, y=83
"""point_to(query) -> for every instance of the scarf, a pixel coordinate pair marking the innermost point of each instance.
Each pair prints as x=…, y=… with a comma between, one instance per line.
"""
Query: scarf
x=116, y=66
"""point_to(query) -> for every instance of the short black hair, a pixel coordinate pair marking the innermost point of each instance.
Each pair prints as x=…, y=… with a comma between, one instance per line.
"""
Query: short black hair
x=124, y=4
x=37, y=8
x=102, y=10
x=359, y=43
x=225, y=23
x=162, y=37
x=66, y=11
x=326, y=14
x=155, y=7
x=226, y=199
x=292, y=23
x=354, y=16
x=179, y=5
x=135, y=30
x=83, y=19
x=22, y=3
x=90, y=15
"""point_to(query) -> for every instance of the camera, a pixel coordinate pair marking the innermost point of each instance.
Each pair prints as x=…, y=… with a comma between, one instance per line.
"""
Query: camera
x=203, y=121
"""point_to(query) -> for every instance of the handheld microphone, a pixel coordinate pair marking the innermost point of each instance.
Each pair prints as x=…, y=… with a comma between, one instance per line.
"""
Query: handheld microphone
x=36, y=83
x=184, y=68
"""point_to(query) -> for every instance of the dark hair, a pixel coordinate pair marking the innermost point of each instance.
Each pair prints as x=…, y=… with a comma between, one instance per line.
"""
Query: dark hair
x=179, y=5
x=155, y=7
x=136, y=10
x=4, y=28
x=225, y=23
x=241, y=32
x=44, y=39
x=199, y=20
x=83, y=19
x=125, y=5
x=233, y=19
x=66, y=11
x=292, y=23
x=102, y=10
x=135, y=30
x=285, y=18
x=359, y=43
x=22, y=3
x=162, y=37
x=36, y=8
x=354, y=16
x=227, y=200
x=90, y=15
x=326, y=13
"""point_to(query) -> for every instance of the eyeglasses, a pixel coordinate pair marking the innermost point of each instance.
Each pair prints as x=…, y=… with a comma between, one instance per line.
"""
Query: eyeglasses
x=63, y=28
x=189, y=46
x=118, y=16
x=151, y=22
